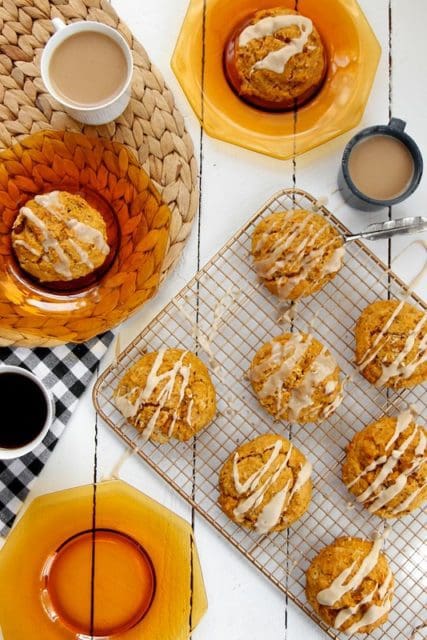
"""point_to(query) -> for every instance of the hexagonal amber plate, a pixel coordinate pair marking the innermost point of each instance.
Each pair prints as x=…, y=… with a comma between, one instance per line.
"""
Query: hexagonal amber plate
x=109, y=177
x=179, y=598
x=353, y=53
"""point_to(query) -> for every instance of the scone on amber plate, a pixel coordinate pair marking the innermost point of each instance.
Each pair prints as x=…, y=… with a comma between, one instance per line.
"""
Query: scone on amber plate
x=296, y=378
x=350, y=585
x=265, y=484
x=167, y=394
x=83, y=237
x=275, y=59
x=263, y=60
x=296, y=253
x=391, y=344
x=58, y=236
x=386, y=466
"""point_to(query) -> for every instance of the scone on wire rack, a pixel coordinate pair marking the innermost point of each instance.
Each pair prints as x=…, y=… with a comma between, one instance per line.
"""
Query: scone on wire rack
x=296, y=253
x=386, y=466
x=391, y=344
x=296, y=378
x=350, y=585
x=167, y=394
x=265, y=484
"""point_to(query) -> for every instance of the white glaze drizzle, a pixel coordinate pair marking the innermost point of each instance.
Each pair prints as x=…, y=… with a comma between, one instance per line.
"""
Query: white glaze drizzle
x=403, y=506
x=270, y=515
x=280, y=255
x=205, y=340
x=284, y=357
x=257, y=494
x=189, y=410
x=272, y=511
x=421, y=446
x=372, y=613
x=277, y=60
x=253, y=480
x=398, y=366
x=322, y=366
x=387, y=469
x=370, y=354
x=89, y=235
x=62, y=266
x=185, y=373
x=342, y=585
x=50, y=201
x=130, y=408
x=376, y=495
x=403, y=421
x=330, y=386
x=33, y=218
x=83, y=255
x=334, y=263
x=27, y=246
x=386, y=495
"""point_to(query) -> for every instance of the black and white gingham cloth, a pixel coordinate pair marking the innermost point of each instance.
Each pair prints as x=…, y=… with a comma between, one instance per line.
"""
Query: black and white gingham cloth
x=65, y=370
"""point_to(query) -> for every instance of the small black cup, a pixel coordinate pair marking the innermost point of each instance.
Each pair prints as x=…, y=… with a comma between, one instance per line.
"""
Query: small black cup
x=395, y=129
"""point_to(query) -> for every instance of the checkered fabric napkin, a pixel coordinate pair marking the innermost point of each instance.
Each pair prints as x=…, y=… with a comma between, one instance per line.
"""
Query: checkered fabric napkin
x=66, y=370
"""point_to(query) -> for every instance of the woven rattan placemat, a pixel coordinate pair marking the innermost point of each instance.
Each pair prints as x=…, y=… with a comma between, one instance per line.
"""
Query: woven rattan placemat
x=151, y=127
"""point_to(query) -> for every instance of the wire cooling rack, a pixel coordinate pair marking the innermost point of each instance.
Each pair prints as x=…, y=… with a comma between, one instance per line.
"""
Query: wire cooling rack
x=228, y=285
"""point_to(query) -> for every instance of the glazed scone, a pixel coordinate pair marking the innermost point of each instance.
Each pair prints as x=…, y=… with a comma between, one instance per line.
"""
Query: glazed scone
x=296, y=378
x=350, y=585
x=167, y=394
x=265, y=484
x=58, y=236
x=391, y=344
x=296, y=253
x=275, y=59
x=386, y=466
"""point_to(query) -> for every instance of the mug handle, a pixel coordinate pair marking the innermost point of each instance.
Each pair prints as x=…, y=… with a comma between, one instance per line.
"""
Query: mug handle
x=397, y=124
x=58, y=24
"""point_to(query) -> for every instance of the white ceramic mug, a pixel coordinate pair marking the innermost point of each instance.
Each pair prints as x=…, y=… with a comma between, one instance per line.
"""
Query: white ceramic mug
x=8, y=454
x=100, y=114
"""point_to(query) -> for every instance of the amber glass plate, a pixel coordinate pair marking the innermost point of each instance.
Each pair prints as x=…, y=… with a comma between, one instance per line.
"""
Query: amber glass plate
x=353, y=53
x=109, y=177
x=118, y=567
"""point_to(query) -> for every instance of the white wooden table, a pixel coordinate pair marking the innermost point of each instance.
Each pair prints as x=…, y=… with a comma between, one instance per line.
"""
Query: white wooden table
x=234, y=183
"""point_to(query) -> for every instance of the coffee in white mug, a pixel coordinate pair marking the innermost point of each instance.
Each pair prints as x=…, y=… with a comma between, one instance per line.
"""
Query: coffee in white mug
x=88, y=69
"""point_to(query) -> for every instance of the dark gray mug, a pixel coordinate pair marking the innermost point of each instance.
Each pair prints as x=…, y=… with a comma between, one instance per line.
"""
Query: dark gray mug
x=395, y=128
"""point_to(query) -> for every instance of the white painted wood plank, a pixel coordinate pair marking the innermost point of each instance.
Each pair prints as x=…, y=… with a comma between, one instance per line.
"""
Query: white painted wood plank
x=409, y=97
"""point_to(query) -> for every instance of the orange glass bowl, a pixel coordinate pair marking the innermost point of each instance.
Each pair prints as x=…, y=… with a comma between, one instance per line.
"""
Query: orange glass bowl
x=109, y=177
x=352, y=50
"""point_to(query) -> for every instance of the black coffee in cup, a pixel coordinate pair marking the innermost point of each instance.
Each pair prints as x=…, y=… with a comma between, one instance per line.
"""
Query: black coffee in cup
x=24, y=410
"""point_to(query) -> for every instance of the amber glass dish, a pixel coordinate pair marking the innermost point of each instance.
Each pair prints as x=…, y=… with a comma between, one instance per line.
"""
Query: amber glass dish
x=109, y=177
x=352, y=51
x=117, y=566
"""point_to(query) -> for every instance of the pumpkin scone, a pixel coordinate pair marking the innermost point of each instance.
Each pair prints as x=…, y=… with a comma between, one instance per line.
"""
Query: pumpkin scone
x=391, y=344
x=167, y=394
x=265, y=484
x=350, y=585
x=58, y=236
x=386, y=466
x=296, y=378
x=296, y=253
x=275, y=59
